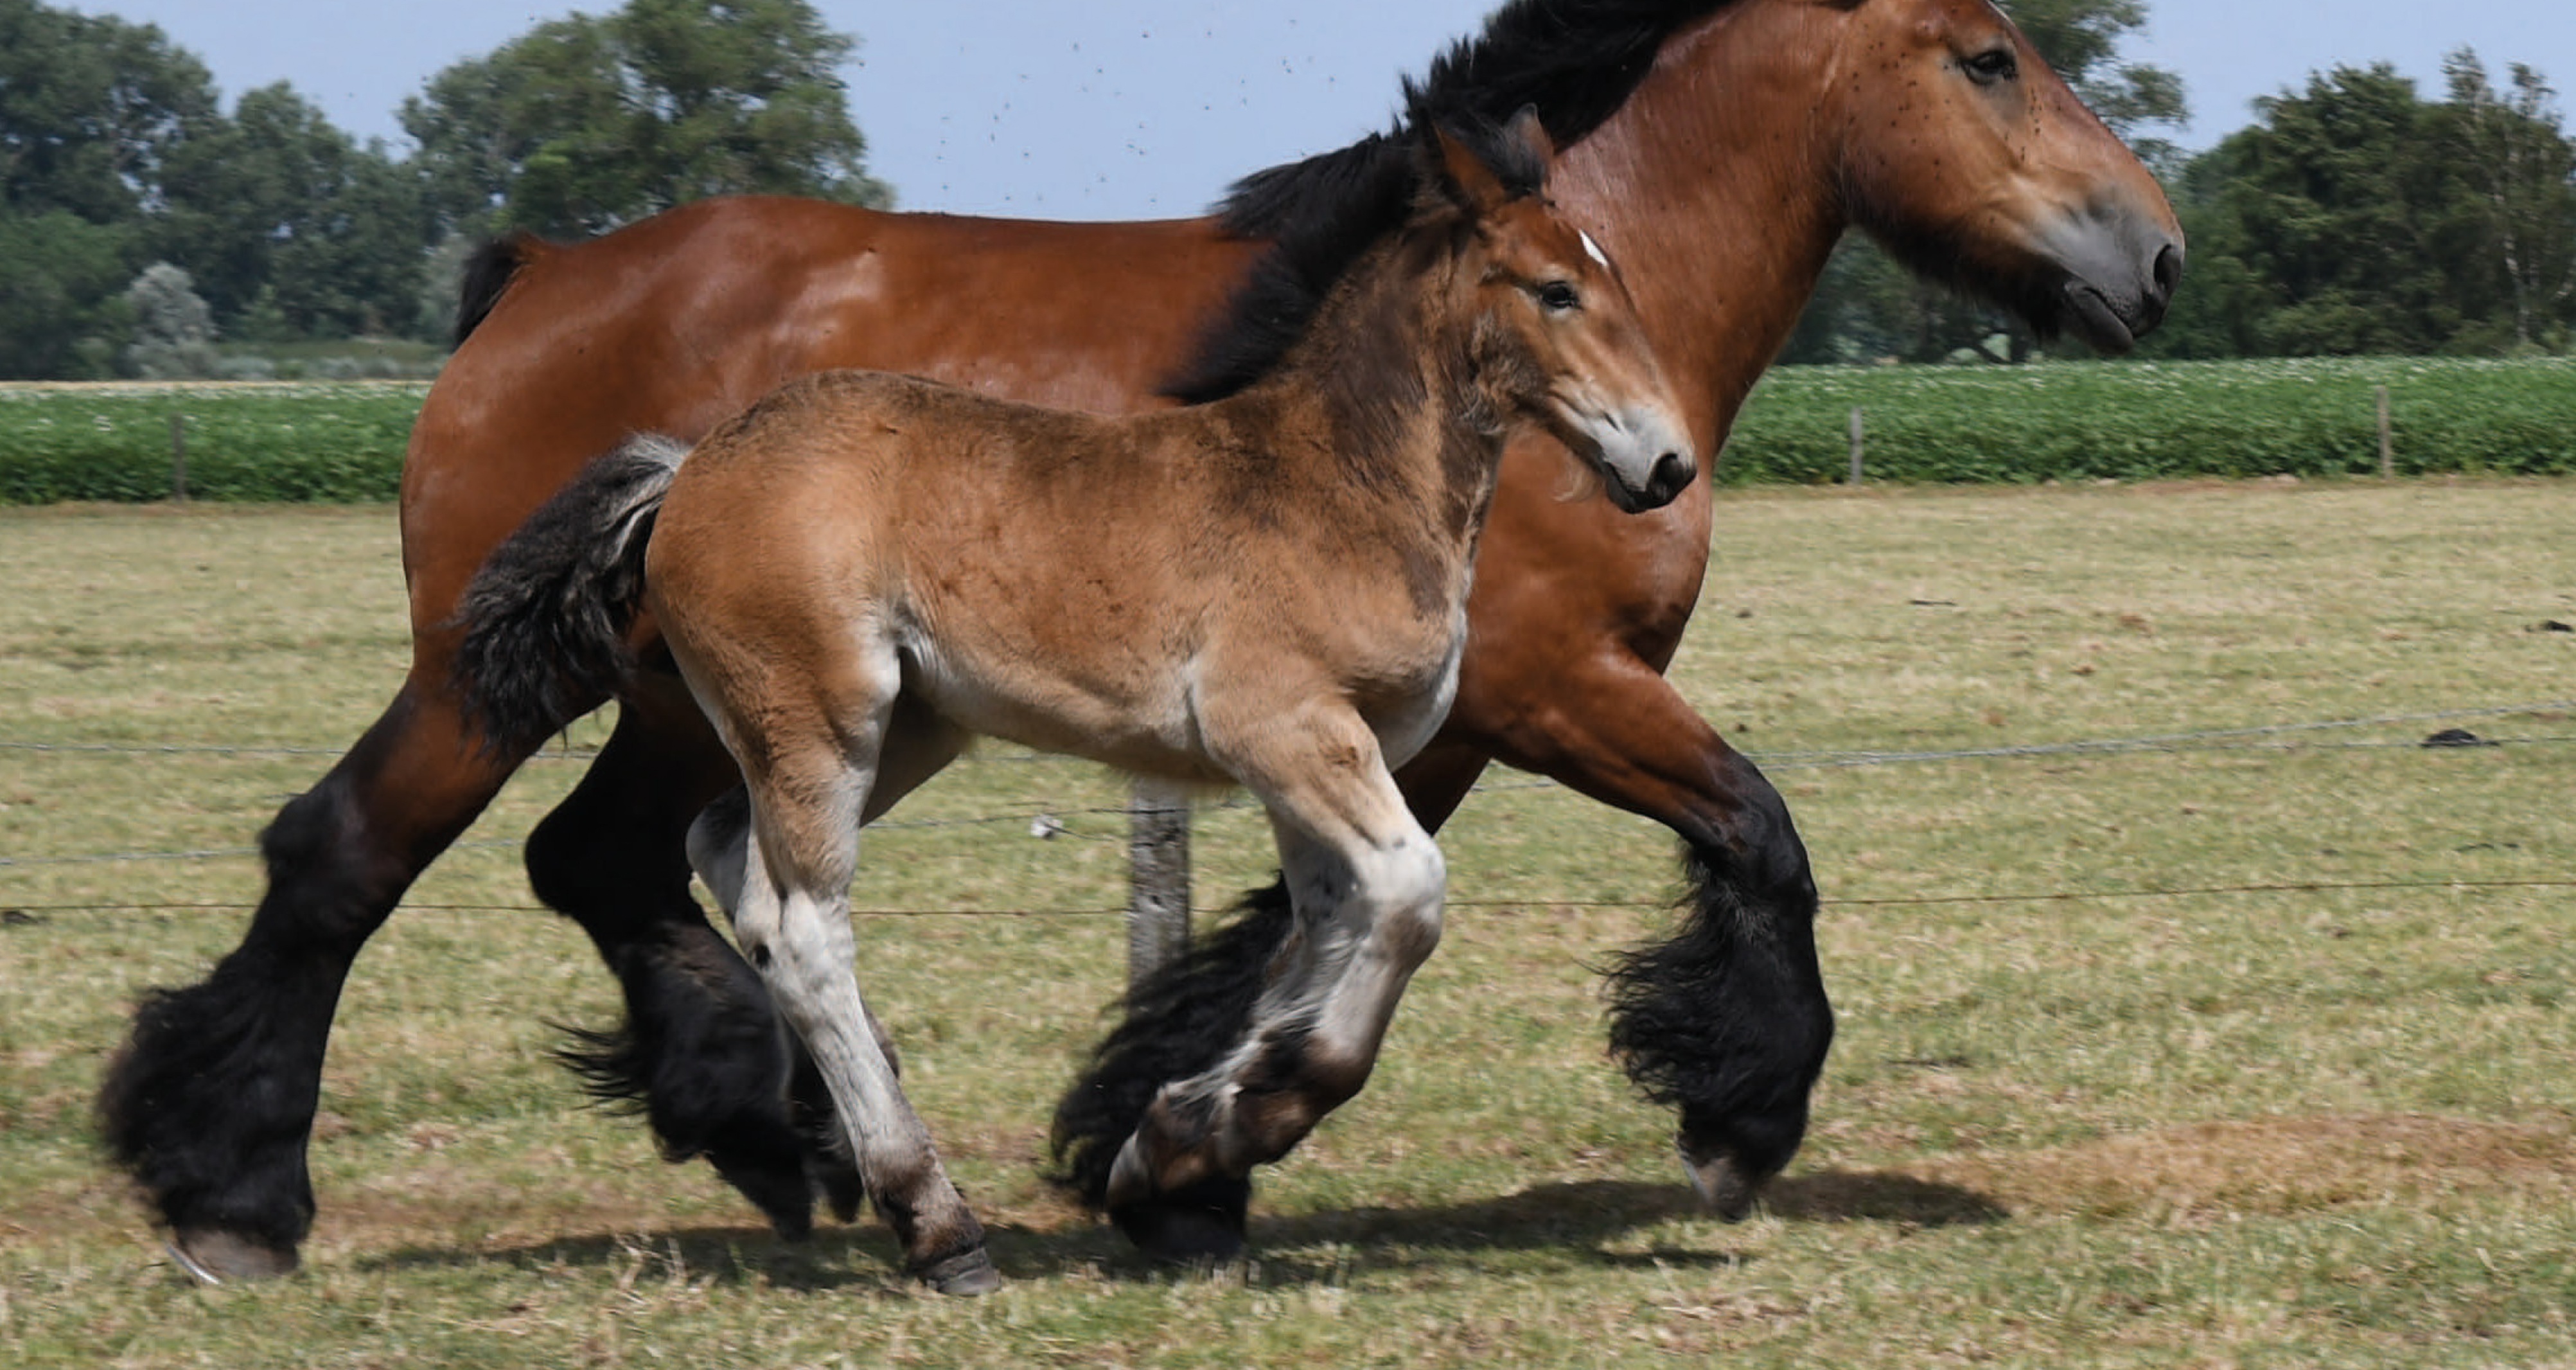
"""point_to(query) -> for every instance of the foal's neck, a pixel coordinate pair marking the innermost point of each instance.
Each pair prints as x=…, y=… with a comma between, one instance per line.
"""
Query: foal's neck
x=1388, y=391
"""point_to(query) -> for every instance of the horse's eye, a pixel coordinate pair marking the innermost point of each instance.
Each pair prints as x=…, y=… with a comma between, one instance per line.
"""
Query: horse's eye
x=1997, y=64
x=1559, y=296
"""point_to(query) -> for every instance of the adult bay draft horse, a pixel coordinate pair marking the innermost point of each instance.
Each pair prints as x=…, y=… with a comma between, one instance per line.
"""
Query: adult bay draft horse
x=1719, y=148
x=1268, y=590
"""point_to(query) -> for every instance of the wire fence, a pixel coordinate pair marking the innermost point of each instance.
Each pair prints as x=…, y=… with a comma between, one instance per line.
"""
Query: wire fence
x=2215, y=739
x=1050, y=822
x=1540, y=907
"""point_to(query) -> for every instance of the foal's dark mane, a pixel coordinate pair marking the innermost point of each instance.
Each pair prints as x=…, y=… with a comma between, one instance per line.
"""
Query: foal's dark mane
x=1575, y=61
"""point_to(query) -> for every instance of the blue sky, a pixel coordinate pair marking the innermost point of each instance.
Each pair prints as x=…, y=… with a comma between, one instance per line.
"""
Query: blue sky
x=1103, y=109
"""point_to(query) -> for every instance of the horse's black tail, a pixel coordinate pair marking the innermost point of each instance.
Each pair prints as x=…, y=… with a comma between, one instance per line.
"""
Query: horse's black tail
x=489, y=272
x=545, y=619
x=1179, y=1022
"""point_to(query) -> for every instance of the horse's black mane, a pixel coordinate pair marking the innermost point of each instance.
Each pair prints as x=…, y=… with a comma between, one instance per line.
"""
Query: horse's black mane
x=1575, y=61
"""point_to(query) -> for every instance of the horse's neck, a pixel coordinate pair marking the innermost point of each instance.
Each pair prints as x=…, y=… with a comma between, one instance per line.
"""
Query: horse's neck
x=1713, y=186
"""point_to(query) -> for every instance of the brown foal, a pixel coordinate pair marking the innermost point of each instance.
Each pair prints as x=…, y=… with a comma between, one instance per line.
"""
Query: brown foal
x=864, y=570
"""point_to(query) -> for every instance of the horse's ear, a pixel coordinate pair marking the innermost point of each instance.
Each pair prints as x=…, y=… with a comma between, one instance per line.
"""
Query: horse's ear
x=1526, y=134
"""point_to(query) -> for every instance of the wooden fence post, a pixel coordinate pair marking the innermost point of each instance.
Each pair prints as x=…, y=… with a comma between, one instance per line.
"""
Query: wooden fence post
x=1855, y=445
x=179, y=458
x=2387, y=446
x=1158, y=879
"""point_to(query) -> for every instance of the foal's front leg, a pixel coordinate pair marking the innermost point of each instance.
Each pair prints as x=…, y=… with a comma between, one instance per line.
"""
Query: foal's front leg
x=782, y=873
x=1366, y=882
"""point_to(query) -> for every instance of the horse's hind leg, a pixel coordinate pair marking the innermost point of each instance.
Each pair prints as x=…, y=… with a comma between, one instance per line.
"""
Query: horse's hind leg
x=1366, y=882
x=701, y=1048
x=210, y=1102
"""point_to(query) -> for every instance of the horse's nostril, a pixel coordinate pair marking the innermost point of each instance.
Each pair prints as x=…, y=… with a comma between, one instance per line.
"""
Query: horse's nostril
x=2168, y=270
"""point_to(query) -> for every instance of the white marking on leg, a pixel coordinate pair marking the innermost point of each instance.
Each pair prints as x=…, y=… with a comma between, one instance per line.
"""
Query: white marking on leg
x=1389, y=922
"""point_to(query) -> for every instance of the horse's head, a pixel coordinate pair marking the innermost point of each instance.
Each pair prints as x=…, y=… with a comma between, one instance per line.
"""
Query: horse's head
x=1972, y=162
x=1557, y=339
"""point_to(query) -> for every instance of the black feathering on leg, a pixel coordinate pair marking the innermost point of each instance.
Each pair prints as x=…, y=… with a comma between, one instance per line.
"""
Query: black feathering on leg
x=1727, y=1019
x=210, y=1102
x=701, y=1055
x=1178, y=1024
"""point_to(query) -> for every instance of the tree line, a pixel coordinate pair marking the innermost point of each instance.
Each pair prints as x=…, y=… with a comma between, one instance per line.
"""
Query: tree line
x=140, y=222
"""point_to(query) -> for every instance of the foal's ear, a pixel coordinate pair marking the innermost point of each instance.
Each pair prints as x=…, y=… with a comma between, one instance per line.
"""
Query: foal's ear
x=1521, y=154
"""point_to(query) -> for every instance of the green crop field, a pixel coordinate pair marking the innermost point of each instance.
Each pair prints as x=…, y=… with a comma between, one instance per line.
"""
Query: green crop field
x=2193, y=1013
x=2014, y=425
x=332, y=442
x=2159, y=420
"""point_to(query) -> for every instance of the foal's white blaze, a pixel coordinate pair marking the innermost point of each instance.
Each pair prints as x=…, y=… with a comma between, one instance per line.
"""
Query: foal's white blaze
x=1641, y=449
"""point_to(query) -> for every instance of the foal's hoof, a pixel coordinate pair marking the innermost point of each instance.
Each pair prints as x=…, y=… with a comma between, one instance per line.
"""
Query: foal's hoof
x=212, y=1256
x=1722, y=1182
x=964, y=1275
x=1198, y=1224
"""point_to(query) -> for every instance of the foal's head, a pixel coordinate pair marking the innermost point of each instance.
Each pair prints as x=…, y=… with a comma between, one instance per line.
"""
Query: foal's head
x=1557, y=341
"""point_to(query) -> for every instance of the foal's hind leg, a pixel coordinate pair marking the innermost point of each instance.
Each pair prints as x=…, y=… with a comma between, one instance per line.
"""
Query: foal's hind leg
x=1366, y=882
x=784, y=878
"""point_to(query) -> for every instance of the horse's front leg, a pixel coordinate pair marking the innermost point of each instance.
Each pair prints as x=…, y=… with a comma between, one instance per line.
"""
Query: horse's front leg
x=1726, y=1019
x=1366, y=885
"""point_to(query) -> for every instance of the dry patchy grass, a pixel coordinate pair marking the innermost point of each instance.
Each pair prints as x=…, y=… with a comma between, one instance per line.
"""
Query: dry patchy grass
x=2315, y=1113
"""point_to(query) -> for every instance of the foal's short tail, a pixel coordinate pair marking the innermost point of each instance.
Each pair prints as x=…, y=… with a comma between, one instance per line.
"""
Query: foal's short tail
x=546, y=618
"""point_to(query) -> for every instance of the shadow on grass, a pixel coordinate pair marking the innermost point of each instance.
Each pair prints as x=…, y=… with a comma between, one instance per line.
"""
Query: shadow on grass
x=1578, y=1222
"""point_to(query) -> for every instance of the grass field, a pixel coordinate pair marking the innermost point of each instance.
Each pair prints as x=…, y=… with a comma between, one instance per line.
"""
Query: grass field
x=2245, y=1048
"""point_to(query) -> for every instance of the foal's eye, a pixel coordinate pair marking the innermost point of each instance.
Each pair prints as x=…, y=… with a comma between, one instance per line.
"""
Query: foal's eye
x=1997, y=64
x=1559, y=296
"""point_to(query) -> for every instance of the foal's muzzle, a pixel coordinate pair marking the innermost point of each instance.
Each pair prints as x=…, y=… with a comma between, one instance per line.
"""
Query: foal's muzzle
x=1645, y=461
x=1634, y=443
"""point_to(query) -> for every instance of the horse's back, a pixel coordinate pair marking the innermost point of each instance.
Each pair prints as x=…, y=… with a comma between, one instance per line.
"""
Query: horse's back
x=675, y=322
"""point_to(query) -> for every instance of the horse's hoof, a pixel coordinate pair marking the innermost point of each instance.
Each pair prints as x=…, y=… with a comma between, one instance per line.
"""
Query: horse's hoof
x=212, y=1256
x=963, y=1276
x=776, y=1185
x=1722, y=1183
x=1200, y=1224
